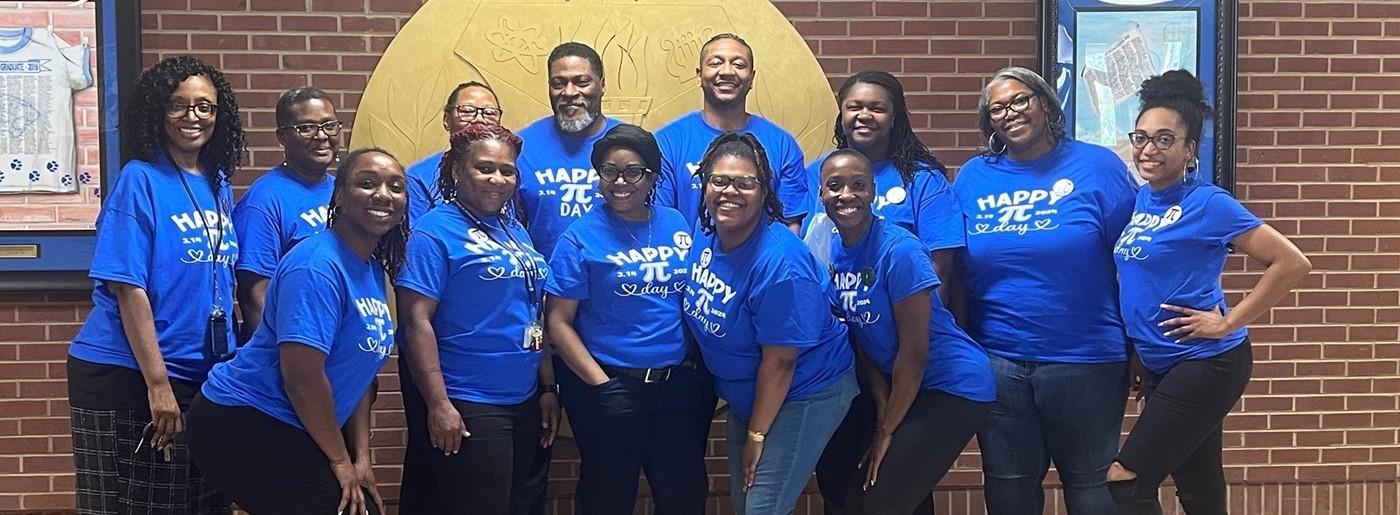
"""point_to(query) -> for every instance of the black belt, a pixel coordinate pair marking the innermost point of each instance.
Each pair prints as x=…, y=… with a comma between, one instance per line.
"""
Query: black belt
x=647, y=375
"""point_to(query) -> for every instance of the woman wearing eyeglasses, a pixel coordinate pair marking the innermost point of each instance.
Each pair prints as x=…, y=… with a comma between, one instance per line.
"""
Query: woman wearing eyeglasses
x=755, y=300
x=1195, y=348
x=470, y=102
x=470, y=308
x=288, y=203
x=164, y=289
x=1042, y=212
x=637, y=399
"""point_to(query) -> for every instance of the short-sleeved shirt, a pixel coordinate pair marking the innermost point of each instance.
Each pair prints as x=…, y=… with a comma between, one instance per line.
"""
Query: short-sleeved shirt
x=475, y=274
x=887, y=266
x=557, y=182
x=423, y=191
x=1172, y=252
x=150, y=235
x=683, y=144
x=325, y=297
x=768, y=291
x=278, y=211
x=1039, y=259
x=925, y=206
x=628, y=278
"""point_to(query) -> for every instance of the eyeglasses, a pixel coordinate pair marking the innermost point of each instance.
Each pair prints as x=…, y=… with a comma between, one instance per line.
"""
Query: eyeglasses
x=1018, y=105
x=308, y=130
x=470, y=112
x=629, y=175
x=742, y=182
x=201, y=110
x=1161, y=141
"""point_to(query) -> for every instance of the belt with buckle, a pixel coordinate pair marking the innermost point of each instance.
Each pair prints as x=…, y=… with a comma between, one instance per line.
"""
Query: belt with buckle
x=647, y=375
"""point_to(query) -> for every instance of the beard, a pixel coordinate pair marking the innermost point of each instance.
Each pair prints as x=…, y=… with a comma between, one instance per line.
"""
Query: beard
x=576, y=126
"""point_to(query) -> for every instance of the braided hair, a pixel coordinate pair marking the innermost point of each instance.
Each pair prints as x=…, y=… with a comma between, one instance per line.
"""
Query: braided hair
x=743, y=146
x=143, y=121
x=393, y=245
x=458, y=148
x=908, y=154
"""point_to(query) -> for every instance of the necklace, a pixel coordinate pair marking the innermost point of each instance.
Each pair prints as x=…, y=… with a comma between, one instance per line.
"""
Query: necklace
x=648, y=223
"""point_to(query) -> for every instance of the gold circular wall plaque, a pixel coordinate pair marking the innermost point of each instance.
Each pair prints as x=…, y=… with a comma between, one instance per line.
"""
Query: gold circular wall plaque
x=650, y=50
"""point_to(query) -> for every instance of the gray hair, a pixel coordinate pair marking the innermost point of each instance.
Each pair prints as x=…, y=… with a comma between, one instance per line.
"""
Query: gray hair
x=1054, y=114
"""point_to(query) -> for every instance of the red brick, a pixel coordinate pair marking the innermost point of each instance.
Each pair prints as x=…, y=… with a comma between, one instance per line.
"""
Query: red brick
x=830, y=9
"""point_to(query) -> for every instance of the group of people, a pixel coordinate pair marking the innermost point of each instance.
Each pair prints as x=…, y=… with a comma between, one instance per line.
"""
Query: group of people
x=862, y=317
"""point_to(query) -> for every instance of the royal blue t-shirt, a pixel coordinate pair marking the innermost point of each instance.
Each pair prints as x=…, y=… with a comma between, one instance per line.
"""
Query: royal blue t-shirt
x=1039, y=259
x=277, y=212
x=423, y=192
x=325, y=297
x=768, y=291
x=483, y=305
x=150, y=235
x=628, y=278
x=683, y=143
x=1172, y=252
x=557, y=182
x=887, y=266
x=926, y=206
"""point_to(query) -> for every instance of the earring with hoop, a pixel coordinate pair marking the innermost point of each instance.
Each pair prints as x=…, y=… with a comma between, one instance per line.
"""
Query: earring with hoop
x=991, y=145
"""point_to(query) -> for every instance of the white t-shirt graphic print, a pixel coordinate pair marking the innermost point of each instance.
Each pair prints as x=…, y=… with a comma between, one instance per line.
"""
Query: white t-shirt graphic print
x=38, y=74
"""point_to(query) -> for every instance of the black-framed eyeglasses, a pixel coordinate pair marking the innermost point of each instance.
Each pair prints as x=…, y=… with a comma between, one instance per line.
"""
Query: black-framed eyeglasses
x=742, y=182
x=1161, y=141
x=629, y=175
x=470, y=112
x=201, y=110
x=1017, y=105
x=308, y=130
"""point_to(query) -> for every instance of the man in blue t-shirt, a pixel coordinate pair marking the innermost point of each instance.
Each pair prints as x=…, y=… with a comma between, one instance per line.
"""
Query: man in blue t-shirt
x=726, y=75
x=557, y=181
x=288, y=203
x=469, y=102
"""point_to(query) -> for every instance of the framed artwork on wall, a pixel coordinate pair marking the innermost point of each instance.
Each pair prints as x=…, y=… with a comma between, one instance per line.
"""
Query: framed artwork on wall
x=1096, y=53
x=62, y=67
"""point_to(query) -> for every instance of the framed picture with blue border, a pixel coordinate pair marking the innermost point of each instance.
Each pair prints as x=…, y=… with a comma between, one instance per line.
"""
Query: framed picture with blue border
x=62, y=68
x=1096, y=53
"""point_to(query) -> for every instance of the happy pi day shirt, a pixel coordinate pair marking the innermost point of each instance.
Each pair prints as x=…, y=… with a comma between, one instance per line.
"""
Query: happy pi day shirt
x=325, y=297
x=926, y=206
x=1038, y=265
x=557, y=181
x=683, y=143
x=151, y=236
x=1172, y=252
x=278, y=211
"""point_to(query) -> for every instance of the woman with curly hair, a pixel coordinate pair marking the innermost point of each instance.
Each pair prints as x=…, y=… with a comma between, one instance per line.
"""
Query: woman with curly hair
x=302, y=387
x=756, y=302
x=164, y=290
x=1194, y=346
x=470, y=306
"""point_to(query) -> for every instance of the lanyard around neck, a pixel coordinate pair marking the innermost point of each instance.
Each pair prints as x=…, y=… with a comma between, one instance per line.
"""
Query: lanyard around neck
x=215, y=242
x=527, y=263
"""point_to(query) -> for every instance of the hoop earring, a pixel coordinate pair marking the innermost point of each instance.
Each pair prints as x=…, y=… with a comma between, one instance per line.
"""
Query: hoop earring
x=335, y=212
x=992, y=147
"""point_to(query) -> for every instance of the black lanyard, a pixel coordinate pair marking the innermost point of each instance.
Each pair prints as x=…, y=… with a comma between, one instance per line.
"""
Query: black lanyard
x=215, y=241
x=527, y=263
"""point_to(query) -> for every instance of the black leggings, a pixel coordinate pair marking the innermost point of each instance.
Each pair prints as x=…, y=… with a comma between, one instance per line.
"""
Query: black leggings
x=264, y=465
x=934, y=432
x=1179, y=434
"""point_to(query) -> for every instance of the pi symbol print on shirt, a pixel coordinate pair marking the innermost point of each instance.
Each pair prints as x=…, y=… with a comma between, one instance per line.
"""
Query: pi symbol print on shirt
x=1140, y=231
x=853, y=288
x=661, y=268
x=199, y=230
x=574, y=188
x=375, y=313
x=1020, y=211
x=711, y=305
x=507, y=260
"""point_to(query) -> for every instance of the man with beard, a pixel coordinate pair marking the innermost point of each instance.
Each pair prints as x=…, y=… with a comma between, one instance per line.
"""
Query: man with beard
x=288, y=203
x=469, y=102
x=557, y=181
x=726, y=76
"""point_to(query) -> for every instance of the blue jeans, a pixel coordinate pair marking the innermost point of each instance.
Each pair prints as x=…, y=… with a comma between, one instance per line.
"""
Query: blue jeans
x=1068, y=413
x=790, y=449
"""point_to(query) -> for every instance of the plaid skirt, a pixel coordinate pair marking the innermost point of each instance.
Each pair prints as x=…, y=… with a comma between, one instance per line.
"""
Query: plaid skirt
x=118, y=472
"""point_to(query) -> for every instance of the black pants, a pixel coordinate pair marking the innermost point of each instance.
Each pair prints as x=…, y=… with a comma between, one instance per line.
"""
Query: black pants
x=934, y=432
x=1179, y=434
x=626, y=426
x=493, y=471
x=266, y=466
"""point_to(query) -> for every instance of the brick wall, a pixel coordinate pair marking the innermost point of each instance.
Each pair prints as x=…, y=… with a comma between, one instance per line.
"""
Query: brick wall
x=1319, y=158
